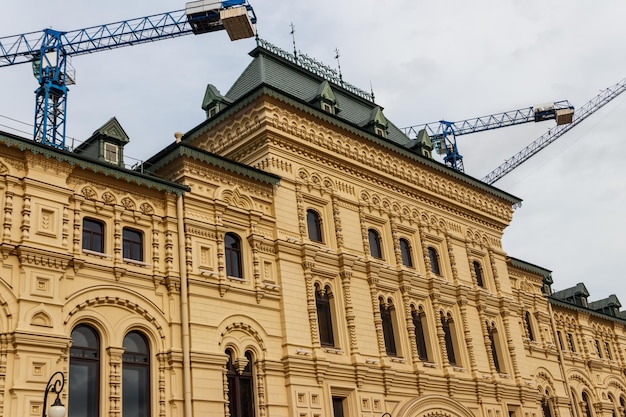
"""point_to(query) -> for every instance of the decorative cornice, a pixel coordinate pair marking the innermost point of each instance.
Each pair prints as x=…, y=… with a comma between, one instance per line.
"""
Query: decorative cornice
x=108, y=170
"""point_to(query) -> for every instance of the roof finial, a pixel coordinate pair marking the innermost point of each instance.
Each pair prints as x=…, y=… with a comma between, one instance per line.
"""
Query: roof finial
x=372, y=92
x=338, y=65
x=293, y=39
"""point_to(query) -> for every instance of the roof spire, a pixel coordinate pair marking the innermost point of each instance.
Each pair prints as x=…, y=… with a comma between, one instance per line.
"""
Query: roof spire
x=372, y=92
x=338, y=65
x=293, y=39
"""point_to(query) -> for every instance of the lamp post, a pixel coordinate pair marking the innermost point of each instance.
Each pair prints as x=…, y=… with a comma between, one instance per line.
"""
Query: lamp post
x=55, y=386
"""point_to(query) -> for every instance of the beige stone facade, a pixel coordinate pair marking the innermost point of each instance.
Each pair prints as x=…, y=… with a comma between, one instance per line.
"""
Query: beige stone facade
x=403, y=302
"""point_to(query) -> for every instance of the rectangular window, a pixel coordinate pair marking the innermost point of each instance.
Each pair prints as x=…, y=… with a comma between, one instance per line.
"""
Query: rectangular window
x=132, y=242
x=110, y=153
x=338, y=406
x=93, y=235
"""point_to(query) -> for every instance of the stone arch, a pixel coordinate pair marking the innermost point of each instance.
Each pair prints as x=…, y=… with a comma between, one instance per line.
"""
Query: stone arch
x=244, y=332
x=90, y=306
x=433, y=406
x=41, y=318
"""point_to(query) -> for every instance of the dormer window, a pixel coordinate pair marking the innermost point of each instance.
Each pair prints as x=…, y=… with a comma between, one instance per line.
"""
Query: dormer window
x=379, y=131
x=111, y=152
x=377, y=123
x=325, y=98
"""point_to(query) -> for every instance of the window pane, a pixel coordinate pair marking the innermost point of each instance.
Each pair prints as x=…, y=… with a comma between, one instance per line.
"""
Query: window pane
x=132, y=241
x=479, y=274
x=93, y=235
x=84, y=378
x=338, y=406
x=388, y=334
x=405, y=250
x=374, y=241
x=136, y=376
x=422, y=353
x=314, y=225
x=232, y=254
x=324, y=318
x=434, y=261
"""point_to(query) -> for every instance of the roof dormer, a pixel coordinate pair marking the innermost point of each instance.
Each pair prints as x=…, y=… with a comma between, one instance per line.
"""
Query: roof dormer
x=325, y=98
x=214, y=101
x=422, y=144
x=377, y=123
x=106, y=143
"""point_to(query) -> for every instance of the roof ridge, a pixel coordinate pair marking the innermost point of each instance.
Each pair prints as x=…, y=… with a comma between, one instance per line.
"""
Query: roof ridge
x=314, y=66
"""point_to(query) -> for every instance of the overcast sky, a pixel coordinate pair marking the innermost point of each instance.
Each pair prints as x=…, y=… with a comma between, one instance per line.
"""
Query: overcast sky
x=426, y=61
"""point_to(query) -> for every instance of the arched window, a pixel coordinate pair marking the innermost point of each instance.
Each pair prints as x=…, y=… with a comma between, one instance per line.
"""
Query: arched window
x=586, y=405
x=84, y=379
x=93, y=235
x=386, y=311
x=478, y=271
x=546, y=407
x=448, y=327
x=314, y=225
x=433, y=256
x=136, y=376
x=622, y=404
x=232, y=254
x=419, y=322
x=324, y=316
x=132, y=242
x=405, y=251
x=375, y=247
x=240, y=385
x=493, y=335
x=529, y=326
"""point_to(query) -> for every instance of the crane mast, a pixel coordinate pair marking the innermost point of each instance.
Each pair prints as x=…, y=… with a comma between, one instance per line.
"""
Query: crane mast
x=49, y=50
x=556, y=132
x=443, y=133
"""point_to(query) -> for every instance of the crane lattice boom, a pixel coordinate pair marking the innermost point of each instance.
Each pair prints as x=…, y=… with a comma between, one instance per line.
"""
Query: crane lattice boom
x=556, y=132
x=443, y=133
x=49, y=50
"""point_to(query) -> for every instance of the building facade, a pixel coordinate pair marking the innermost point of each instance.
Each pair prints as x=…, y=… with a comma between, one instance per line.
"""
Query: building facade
x=293, y=255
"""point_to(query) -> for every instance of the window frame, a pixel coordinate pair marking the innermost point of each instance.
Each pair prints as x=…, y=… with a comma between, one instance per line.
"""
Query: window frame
x=387, y=312
x=138, y=362
x=315, y=232
x=406, y=252
x=324, y=311
x=479, y=274
x=233, y=256
x=435, y=260
x=447, y=324
x=420, y=325
x=375, y=243
x=88, y=235
x=90, y=360
x=133, y=249
x=239, y=381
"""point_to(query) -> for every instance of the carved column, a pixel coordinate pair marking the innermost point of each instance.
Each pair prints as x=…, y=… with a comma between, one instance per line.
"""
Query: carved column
x=429, y=267
x=26, y=211
x=337, y=220
x=467, y=334
x=162, y=361
x=300, y=209
x=494, y=270
x=455, y=271
x=378, y=322
x=8, y=217
x=510, y=345
x=310, y=303
x=115, y=381
x=346, y=276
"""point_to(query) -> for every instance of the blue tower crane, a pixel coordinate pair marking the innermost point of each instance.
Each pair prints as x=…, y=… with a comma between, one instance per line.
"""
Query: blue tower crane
x=48, y=51
x=443, y=133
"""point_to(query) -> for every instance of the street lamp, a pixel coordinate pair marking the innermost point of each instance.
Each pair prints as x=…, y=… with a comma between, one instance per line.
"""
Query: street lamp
x=55, y=386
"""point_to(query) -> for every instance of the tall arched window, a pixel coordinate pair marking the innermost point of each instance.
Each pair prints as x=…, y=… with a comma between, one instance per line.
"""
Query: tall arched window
x=419, y=321
x=586, y=405
x=405, y=251
x=529, y=326
x=493, y=335
x=448, y=327
x=232, y=255
x=386, y=311
x=93, y=235
x=314, y=225
x=240, y=385
x=84, y=380
x=136, y=376
x=433, y=256
x=375, y=246
x=478, y=271
x=324, y=316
